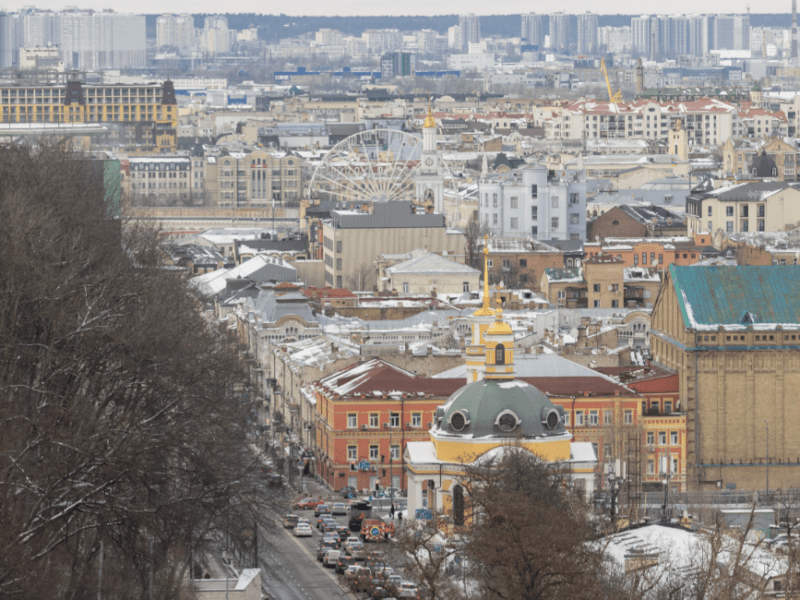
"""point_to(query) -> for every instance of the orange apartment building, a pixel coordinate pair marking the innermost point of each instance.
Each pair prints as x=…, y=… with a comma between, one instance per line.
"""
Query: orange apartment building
x=656, y=253
x=365, y=416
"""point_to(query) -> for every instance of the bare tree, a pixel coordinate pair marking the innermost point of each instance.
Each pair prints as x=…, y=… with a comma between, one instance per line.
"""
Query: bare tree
x=123, y=415
x=363, y=278
x=474, y=236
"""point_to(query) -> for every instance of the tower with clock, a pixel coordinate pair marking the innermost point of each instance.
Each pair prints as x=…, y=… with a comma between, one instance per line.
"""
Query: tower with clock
x=429, y=180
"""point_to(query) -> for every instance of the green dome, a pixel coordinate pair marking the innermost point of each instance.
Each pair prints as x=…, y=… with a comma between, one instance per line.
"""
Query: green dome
x=491, y=408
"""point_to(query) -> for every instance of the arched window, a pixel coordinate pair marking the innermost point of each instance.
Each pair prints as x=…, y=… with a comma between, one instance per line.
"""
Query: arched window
x=774, y=171
x=499, y=354
x=458, y=505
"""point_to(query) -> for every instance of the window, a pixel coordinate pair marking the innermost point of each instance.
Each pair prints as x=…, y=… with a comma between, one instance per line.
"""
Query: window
x=745, y=226
x=729, y=226
x=523, y=262
x=578, y=418
x=644, y=258
x=745, y=210
x=652, y=258
x=667, y=406
x=761, y=224
x=416, y=419
x=651, y=438
x=554, y=223
x=566, y=419
x=338, y=264
x=650, y=467
x=395, y=452
x=574, y=199
x=760, y=210
x=674, y=465
x=405, y=287
x=615, y=304
x=352, y=453
x=514, y=202
x=500, y=354
x=373, y=453
x=574, y=219
x=535, y=230
x=534, y=191
x=506, y=263
x=635, y=259
x=338, y=246
x=458, y=505
x=596, y=304
x=465, y=286
x=494, y=199
x=554, y=201
x=628, y=418
x=373, y=420
x=593, y=417
x=535, y=213
x=728, y=211
x=352, y=421
x=561, y=294
x=596, y=287
x=394, y=419
x=494, y=219
x=662, y=438
x=608, y=417
x=490, y=263
x=710, y=212
x=673, y=438
x=514, y=223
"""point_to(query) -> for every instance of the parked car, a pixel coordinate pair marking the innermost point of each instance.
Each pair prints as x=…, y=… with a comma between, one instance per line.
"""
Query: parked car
x=320, y=509
x=290, y=521
x=306, y=503
x=331, y=558
x=302, y=530
x=348, y=491
x=343, y=563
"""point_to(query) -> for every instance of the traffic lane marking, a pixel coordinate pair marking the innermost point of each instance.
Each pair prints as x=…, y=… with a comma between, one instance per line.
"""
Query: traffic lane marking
x=313, y=558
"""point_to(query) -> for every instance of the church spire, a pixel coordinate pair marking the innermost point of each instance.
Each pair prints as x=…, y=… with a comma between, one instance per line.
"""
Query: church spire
x=430, y=122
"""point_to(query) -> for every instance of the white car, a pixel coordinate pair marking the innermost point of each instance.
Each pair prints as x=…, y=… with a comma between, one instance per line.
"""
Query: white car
x=350, y=540
x=302, y=530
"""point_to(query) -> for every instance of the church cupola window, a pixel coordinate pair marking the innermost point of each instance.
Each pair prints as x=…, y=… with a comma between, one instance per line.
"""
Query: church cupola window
x=500, y=354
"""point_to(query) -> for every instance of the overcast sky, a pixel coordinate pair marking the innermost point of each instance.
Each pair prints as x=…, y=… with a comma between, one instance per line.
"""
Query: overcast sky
x=421, y=7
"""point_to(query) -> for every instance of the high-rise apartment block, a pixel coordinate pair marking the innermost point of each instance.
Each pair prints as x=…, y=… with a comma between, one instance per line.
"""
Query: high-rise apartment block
x=561, y=32
x=531, y=30
x=469, y=28
x=586, y=33
x=216, y=35
x=175, y=31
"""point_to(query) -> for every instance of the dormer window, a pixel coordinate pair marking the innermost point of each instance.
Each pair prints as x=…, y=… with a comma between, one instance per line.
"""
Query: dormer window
x=507, y=421
x=500, y=354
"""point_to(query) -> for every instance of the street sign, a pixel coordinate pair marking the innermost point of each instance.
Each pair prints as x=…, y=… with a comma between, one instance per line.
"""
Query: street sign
x=363, y=465
x=350, y=496
x=456, y=559
x=423, y=514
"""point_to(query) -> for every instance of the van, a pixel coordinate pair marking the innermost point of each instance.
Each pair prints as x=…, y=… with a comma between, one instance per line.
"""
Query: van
x=331, y=558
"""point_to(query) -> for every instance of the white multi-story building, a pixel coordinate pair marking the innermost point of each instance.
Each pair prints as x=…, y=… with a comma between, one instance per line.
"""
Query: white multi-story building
x=534, y=202
x=175, y=31
x=105, y=40
x=586, y=33
x=531, y=30
x=216, y=35
x=616, y=40
x=328, y=37
x=469, y=29
x=731, y=32
x=560, y=32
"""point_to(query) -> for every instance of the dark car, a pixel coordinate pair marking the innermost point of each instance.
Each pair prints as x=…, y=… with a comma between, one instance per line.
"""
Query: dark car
x=322, y=520
x=348, y=491
x=343, y=531
x=343, y=563
x=323, y=547
x=275, y=479
x=321, y=508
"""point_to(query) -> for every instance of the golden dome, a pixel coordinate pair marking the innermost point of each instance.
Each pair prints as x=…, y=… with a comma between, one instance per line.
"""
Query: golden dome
x=430, y=122
x=483, y=312
x=499, y=328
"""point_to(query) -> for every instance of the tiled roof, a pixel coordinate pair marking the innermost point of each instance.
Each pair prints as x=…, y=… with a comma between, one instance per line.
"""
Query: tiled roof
x=578, y=386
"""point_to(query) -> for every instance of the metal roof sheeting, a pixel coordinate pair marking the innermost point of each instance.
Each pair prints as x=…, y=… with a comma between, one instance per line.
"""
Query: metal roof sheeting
x=723, y=295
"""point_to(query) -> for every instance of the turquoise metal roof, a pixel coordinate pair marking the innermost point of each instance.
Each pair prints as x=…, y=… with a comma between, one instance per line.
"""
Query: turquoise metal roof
x=711, y=296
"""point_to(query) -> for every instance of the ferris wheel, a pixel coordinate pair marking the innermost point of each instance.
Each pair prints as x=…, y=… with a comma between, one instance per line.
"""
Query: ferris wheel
x=378, y=165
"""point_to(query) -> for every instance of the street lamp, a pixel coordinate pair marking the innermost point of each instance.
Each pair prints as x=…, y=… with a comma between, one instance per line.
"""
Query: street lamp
x=767, y=426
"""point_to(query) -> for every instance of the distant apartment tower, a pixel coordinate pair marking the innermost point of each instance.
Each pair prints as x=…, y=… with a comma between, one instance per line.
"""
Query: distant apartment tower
x=731, y=32
x=175, y=31
x=469, y=27
x=39, y=28
x=398, y=64
x=645, y=31
x=104, y=40
x=216, y=36
x=560, y=32
x=426, y=41
x=328, y=37
x=586, y=33
x=531, y=30
x=699, y=34
x=8, y=40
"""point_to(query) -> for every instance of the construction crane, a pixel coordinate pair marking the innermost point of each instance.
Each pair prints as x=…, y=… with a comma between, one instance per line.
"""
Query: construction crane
x=613, y=98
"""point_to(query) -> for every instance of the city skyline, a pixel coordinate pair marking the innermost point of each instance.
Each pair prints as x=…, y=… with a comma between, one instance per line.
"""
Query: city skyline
x=430, y=8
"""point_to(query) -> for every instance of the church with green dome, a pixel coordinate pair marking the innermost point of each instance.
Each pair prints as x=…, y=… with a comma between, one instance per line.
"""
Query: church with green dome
x=492, y=411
